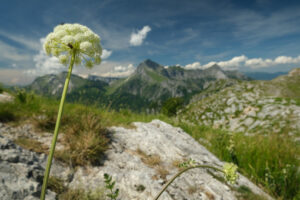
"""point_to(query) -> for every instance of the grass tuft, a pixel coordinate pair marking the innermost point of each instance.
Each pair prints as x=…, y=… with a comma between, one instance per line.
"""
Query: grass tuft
x=85, y=141
x=31, y=144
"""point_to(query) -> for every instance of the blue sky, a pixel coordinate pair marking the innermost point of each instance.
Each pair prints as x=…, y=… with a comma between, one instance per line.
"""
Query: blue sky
x=261, y=35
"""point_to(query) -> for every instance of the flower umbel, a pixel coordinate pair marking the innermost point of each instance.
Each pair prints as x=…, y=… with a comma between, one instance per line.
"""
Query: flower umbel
x=230, y=172
x=77, y=38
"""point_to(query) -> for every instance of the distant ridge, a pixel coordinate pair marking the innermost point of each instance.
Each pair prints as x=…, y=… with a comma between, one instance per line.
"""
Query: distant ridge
x=147, y=88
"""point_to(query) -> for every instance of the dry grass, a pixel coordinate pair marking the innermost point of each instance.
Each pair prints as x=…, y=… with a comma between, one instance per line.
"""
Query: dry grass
x=177, y=162
x=31, y=144
x=81, y=194
x=56, y=184
x=162, y=172
x=155, y=162
x=208, y=194
x=46, y=122
x=85, y=141
x=192, y=189
x=150, y=160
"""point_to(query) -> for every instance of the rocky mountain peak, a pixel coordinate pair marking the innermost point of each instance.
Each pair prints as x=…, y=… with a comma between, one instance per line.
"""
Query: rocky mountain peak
x=215, y=67
x=150, y=64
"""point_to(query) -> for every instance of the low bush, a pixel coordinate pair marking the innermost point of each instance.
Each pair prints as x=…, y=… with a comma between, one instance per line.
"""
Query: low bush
x=172, y=105
x=6, y=114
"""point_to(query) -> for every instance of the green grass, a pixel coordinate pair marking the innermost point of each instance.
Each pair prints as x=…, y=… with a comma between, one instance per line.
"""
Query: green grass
x=81, y=194
x=155, y=76
x=270, y=161
x=115, y=85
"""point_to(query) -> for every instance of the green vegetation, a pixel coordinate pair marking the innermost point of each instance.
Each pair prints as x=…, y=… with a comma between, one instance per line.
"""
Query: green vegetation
x=81, y=194
x=155, y=76
x=56, y=184
x=172, y=105
x=271, y=160
x=109, y=184
x=32, y=145
x=85, y=141
x=1, y=89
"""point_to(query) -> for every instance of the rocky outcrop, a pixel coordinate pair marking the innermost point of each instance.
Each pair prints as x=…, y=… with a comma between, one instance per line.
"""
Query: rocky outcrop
x=142, y=159
x=21, y=172
x=244, y=107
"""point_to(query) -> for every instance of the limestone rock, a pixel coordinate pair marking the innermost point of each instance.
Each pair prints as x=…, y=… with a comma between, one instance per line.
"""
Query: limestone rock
x=145, y=157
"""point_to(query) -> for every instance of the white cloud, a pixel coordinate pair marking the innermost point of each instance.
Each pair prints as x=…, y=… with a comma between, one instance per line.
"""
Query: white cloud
x=242, y=61
x=120, y=71
x=195, y=65
x=234, y=63
x=106, y=54
x=138, y=37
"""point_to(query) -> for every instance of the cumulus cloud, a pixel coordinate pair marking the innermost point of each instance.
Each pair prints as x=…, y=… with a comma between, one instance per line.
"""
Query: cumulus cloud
x=280, y=60
x=243, y=61
x=195, y=65
x=120, y=71
x=234, y=63
x=106, y=54
x=138, y=37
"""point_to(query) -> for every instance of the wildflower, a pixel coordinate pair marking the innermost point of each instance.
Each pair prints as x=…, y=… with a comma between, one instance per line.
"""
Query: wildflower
x=71, y=44
x=230, y=172
x=74, y=38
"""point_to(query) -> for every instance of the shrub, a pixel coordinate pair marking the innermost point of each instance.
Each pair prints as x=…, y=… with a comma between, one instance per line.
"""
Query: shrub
x=6, y=115
x=172, y=105
x=21, y=96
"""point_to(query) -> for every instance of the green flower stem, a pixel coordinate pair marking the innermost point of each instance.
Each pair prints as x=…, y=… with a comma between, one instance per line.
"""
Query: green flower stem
x=61, y=107
x=181, y=172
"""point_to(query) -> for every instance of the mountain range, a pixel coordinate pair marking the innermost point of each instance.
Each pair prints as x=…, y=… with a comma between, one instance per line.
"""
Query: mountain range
x=147, y=88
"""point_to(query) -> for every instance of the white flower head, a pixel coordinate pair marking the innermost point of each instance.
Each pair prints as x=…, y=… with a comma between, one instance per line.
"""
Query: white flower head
x=67, y=39
x=230, y=171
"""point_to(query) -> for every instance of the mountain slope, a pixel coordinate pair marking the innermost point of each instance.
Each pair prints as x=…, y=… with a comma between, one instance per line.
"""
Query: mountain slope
x=250, y=107
x=80, y=89
x=155, y=83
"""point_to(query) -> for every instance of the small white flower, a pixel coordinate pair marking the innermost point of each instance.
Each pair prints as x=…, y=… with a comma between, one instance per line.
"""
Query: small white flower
x=230, y=171
x=68, y=38
x=63, y=59
x=86, y=46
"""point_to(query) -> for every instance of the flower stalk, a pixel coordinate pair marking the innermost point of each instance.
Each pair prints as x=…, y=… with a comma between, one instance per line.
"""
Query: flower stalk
x=57, y=125
x=229, y=170
x=72, y=44
x=181, y=172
